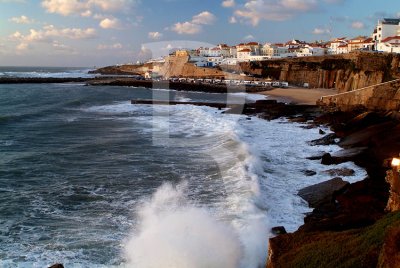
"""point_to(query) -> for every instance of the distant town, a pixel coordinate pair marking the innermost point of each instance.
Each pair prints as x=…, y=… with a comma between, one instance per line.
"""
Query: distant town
x=385, y=38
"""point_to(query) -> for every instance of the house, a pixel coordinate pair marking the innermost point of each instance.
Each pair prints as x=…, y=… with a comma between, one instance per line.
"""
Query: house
x=342, y=49
x=390, y=44
x=336, y=43
x=356, y=43
x=244, y=54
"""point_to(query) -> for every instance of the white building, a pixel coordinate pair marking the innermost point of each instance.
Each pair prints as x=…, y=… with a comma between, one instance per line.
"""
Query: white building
x=390, y=44
x=244, y=54
x=386, y=28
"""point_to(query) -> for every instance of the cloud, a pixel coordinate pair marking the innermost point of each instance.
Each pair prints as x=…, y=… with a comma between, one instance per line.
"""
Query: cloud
x=254, y=11
x=196, y=25
x=357, y=25
x=85, y=7
x=228, y=3
x=22, y=20
x=249, y=37
x=49, y=32
x=232, y=20
x=112, y=23
x=155, y=35
x=321, y=31
x=186, y=28
x=108, y=47
x=57, y=46
x=204, y=17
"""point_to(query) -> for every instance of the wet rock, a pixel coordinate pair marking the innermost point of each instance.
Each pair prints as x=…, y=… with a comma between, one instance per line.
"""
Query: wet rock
x=320, y=192
x=298, y=120
x=321, y=132
x=278, y=230
x=57, y=265
x=341, y=172
x=326, y=159
x=326, y=140
x=309, y=173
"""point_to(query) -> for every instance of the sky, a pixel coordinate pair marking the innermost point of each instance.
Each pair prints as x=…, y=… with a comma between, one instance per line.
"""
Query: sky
x=87, y=33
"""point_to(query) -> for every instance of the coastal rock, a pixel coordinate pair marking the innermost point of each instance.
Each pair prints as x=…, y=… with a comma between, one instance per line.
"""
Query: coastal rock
x=278, y=230
x=321, y=132
x=327, y=159
x=393, y=178
x=57, y=265
x=309, y=173
x=341, y=172
x=326, y=140
x=320, y=192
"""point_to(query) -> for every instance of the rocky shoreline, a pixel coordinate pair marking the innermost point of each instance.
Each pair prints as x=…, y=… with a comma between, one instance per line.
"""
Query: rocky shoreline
x=347, y=212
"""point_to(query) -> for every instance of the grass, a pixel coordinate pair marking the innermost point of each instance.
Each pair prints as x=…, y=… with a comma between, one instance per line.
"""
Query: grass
x=353, y=248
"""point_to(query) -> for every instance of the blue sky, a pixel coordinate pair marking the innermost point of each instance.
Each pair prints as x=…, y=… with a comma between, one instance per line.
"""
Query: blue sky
x=103, y=32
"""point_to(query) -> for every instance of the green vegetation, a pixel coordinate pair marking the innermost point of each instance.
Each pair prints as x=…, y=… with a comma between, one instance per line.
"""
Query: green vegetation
x=354, y=248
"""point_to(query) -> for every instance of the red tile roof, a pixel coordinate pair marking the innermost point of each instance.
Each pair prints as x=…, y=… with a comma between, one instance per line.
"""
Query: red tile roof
x=390, y=38
x=245, y=50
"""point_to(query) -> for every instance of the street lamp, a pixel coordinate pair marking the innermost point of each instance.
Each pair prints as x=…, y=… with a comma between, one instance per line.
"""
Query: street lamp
x=396, y=163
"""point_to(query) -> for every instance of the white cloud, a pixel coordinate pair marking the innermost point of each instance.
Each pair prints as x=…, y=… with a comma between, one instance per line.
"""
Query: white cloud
x=106, y=47
x=196, y=25
x=112, y=23
x=357, y=25
x=186, y=28
x=155, y=35
x=83, y=7
x=232, y=20
x=22, y=20
x=321, y=31
x=254, y=11
x=249, y=37
x=204, y=17
x=49, y=32
x=228, y=3
x=22, y=46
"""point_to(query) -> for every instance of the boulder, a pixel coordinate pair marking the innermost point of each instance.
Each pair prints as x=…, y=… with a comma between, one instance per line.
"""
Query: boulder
x=309, y=173
x=326, y=140
x=320, y=192
x=341, y=172
x=57, y=265
x=278, y=230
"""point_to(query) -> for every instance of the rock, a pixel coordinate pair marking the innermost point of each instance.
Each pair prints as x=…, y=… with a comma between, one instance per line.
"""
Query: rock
x=57, y=265
x=326, y=159
x=318, y=193
x=341, y=172
x=309, y=173
x=326, y=140
x=321, y=132
x=393, y=178
x=298, y=120
x=278, y=230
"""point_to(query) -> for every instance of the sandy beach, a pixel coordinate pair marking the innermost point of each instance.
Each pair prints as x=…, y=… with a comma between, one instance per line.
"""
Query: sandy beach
x=298, y=95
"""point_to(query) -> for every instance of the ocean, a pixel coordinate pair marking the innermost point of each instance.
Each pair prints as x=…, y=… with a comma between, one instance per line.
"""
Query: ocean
x=89, y=180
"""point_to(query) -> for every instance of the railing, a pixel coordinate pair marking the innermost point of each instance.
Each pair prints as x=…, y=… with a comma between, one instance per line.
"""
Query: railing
x=357, y=90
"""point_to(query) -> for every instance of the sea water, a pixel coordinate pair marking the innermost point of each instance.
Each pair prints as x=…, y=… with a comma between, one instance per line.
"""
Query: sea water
x=89, y=180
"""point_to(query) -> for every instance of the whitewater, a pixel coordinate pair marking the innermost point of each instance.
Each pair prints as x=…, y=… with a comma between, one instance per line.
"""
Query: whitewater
x=89, y=180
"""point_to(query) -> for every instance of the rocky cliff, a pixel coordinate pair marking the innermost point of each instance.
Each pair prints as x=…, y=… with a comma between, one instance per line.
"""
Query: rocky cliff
x=344, y=72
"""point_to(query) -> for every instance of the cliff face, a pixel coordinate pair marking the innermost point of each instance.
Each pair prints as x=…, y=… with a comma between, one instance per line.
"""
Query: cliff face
x=344, y=72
